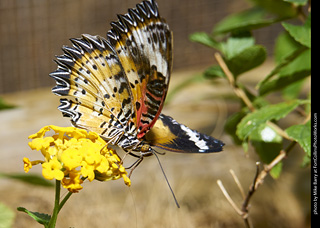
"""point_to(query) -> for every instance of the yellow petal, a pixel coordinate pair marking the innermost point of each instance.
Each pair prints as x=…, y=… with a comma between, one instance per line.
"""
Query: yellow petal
x=52, y=169
x=26, y=164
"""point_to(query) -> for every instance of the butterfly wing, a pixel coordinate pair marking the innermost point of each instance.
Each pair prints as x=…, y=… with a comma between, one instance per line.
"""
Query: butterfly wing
x=90, y=74
x=117, y=86
x=168, y=134
x=144, y=36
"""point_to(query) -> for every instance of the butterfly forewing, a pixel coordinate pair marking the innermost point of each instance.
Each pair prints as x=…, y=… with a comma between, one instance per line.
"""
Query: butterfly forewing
x=145, y=38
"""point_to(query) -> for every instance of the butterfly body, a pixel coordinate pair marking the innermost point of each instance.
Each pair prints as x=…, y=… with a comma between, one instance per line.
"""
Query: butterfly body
x=116, y=86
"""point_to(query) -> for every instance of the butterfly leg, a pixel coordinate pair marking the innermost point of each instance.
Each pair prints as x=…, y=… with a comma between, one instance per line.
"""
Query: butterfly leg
x=135, y=165
x=145, y=152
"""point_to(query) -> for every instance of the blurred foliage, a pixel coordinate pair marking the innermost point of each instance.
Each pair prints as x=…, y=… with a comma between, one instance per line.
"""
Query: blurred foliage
x=4, y=105
x=7, y=216
x=32, y=179
x=233, y=39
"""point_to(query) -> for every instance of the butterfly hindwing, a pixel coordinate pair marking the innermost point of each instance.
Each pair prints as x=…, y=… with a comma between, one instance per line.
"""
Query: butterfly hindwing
x=170, y=135
x=91, y=74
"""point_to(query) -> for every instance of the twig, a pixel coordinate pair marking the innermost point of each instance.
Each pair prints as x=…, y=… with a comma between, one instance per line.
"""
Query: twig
x=259, y=176
x=267, y=168
x=226, y=194
x=239, y=92
x=246, y=201
x=243, y=212
x=244, y=208
x=242, y=95
x=235, y=178
x=257, y=181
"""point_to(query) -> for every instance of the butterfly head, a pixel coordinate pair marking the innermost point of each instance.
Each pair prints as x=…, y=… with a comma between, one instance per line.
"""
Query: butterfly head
x=145, y=148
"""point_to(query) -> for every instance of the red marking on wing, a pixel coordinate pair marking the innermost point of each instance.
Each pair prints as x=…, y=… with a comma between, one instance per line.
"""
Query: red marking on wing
x=145, y=127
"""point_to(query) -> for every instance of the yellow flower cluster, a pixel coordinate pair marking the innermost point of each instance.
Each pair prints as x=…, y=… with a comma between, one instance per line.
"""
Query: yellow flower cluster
x=72, y=155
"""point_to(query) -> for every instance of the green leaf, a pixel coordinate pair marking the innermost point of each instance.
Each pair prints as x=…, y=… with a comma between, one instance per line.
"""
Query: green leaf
x=281, y=8
x=240, y=53
x=291, y=53
x=214, y=72
x=276, y=170
x=293, y=72
x=6, y=216
x=299, y=64
x=301, y=33
x=266, y=134
x=245, y=146
x=282, y=64
x=247, y=20
x=231, y=125
x=247, y=60
x=253, y=120
x=30, y=179
x=306, y=161
x=283, y=82
x=297, y=2
x=284, y=47
x=39, y=217
x=301, y=134
x=237, y=44
x=205, y=39
x=267, y=143
x=307, y=107
x=292, y=91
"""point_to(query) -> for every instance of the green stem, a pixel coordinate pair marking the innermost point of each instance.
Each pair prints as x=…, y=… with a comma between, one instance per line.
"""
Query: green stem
x=56, y=209
x=64, y=200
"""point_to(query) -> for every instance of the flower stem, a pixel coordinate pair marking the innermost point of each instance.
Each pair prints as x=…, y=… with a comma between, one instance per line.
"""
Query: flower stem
x=64, y=200
x=56, y=209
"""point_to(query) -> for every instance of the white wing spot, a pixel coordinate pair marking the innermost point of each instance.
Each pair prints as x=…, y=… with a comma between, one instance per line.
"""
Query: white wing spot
x=195, y=137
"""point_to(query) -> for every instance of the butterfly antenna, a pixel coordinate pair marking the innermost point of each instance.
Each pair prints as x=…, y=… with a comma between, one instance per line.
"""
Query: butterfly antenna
x=164, y=174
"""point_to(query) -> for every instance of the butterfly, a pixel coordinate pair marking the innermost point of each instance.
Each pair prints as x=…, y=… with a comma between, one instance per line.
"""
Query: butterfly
x=116, y=86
